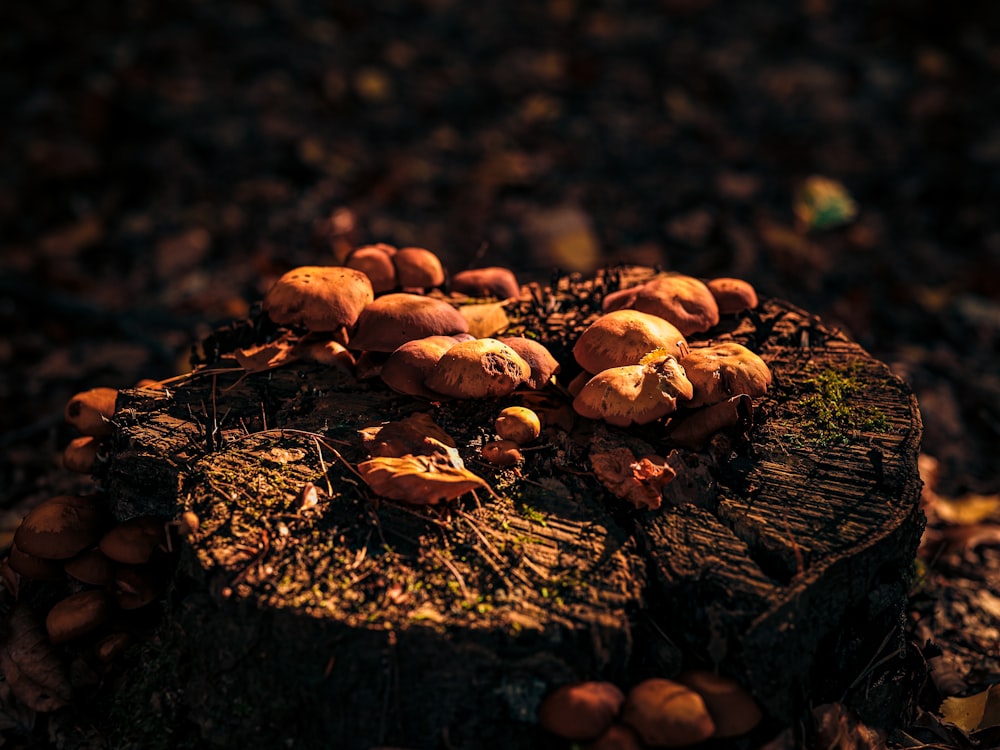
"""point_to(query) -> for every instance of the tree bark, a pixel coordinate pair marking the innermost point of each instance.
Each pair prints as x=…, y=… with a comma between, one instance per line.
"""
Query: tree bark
x=780, y=556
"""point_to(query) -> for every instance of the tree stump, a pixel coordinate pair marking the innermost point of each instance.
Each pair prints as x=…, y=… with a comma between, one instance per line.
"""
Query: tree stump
x=780, y=556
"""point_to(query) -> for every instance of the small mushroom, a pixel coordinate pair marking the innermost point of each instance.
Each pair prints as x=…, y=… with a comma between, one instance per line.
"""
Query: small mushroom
x=32, y=567
x=483, y=368
x=136, y=586
x=61, y=527
x=418, y=268
x=697, y=428
x=732, y=295
x=732, y=708
x=81, y=454
x=494, y=281
x=543, y=365
x=501, y=453
x=665, y=713
x=623, y=337
x=134, y=541
x=111, y=646
x=407, y=368
x=90, y=411
x=319, y=298
x=617, y=737
x=682, y=300
x=375, y=262
x=720, y=371
x=518, y=423
x=581, y=710
x=92, y=567
x=77, y=615
x=393, y=319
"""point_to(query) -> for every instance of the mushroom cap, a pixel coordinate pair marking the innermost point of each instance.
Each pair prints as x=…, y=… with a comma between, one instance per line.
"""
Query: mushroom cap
x=33, y=568
x=483, y=368
x=732, y=295
x=494, y=281
x=682, y=300
x=418, y=267
x=81, y=454
x=623, y=337
x=518, y=423
x=732, y=708
x=623, y=396
x=393, y=319
x=329, y=353
x=673, y=379
x=407, y=368
x=90, y=411
x=667, y=714
x=543, y=365
x=93, y=567
x=320, y=298
x=133, y=541
x=721, y=371
x=111, y=645
x=375, y=262
x=78, y=614
x=617, y=737
x=136, y=586
x=61, y=527
x=581, y=710
x=501, y=453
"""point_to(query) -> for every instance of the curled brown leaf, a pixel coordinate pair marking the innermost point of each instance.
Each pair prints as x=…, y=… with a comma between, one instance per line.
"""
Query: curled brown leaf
x=36, y=675
x=640, y=480
x=420, y=480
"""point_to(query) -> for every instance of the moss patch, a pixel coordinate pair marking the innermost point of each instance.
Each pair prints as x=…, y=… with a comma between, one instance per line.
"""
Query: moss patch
x=835, y=411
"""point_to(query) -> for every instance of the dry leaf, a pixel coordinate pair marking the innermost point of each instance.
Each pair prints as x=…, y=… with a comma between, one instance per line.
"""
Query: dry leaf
x=30, y=665
x=822, y=203
x=485, y=319
x=416, y=434
x=263, y=357
x=638, y=480
x=967, y=509
x=974, y=712
x=421, y=480
x=838, y=728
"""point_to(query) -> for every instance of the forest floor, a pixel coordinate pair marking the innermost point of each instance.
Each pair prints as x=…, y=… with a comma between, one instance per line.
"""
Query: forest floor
x=165, y=162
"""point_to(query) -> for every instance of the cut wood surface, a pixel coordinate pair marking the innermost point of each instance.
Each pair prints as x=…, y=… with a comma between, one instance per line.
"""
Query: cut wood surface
x=780, y=555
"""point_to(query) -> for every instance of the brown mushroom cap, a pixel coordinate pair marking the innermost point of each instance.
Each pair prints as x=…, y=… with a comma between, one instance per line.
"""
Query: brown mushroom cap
x=417, y=267
x=92, y=567
x=623, y=396
x=393, y=319
x=732, y=708
x=136, y=586
x=617, y=737
x=320, y=298
x=494, y=281
x=90, y=411
x=111, y=645
x=682, y=300
x=732, y=295
x=33, y=568
x=407, y=368
x=78, y=614
x=623, y=337
x=667, y=714
x=81, y=454
x=375, y=262
x=543, y=365
x=133, y=542
x=484, y=368
x=501, y=453
x=721, y=371
x=582, y=710
x=61, y=527
x=518, y=423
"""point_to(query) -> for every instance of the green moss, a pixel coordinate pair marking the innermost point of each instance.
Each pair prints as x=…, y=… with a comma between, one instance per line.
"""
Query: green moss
x=835, y=409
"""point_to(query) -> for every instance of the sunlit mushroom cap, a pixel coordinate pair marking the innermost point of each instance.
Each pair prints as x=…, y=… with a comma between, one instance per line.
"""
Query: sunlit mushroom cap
x=682, y=300
x=732, y=295
x=320, y=298
x=90, y=411
x=393, y=319
x=623, y=337
x=494, y=281
x=543, y=365
x=417, y=267
x=667, y=714
x=721, y=371
x=78, y=614
x=375, y=262
x=408, y=367
x=484, y=368
x=519, y=424
x=61, y=527
x=732, y=708
x=582, y=710
x=623, y=396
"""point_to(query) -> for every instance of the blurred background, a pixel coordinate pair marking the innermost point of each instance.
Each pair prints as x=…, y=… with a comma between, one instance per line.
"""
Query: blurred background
x=164, y=162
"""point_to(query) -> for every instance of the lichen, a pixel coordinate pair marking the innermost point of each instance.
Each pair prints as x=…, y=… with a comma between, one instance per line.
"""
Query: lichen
x=835, y=411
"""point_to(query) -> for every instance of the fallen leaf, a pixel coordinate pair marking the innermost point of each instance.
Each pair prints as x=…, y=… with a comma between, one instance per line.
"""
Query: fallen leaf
x=967, y=509
x=420, y=480
x=821, y=203
x=485, y=319
x=30, y=665
x=638, y=480
x=839, y=728
x=417, y=434
x=264, y=357
x=973, y=712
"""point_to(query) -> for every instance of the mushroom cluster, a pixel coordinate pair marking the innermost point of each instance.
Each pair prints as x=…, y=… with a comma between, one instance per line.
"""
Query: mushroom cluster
x=515, y=426
x=695, y=706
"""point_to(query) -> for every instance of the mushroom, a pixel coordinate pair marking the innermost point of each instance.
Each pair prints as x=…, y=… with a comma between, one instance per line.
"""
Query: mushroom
x=543, y=365
x=375, y=262
x=61, y=527
x=90, y=411
x=319, y=298
x=732, y=295
x=682, y=300
x=32, y=567
x=501, y=453
x=483, y=368
x=581, y=710
x=617, y=737
x=326, y=352
x=136, y=586
x=81, y=454
x=78, y=614
x=418, y=268
x=92, y=567
x=133, y=542
x=110, y=646
x=634, y=394
x=665, y=713
x=732, y=708
x=721, y=371
x=407, y=368
x=623, y=337
x=697, y=428
x=393, y=319
x=519, y=424
x=493, y=281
